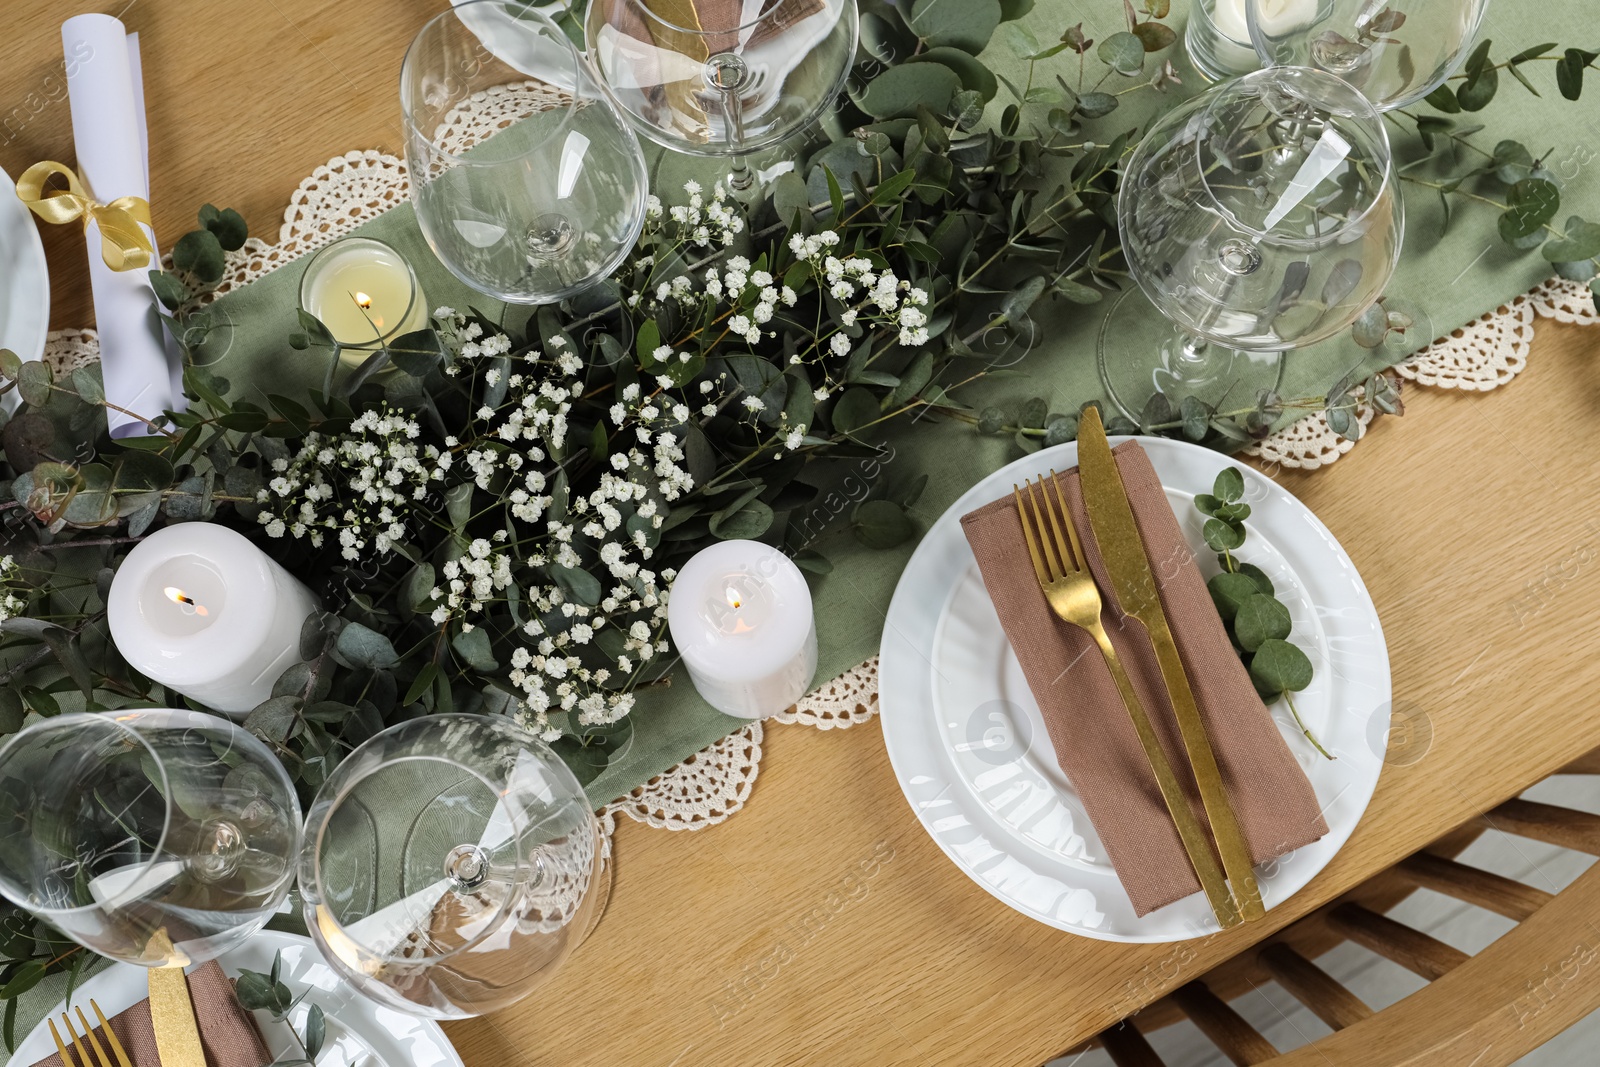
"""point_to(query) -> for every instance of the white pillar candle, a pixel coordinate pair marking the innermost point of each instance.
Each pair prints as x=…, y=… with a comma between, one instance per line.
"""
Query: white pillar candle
x=198, y=608
x=365, y=293
x=740, y=616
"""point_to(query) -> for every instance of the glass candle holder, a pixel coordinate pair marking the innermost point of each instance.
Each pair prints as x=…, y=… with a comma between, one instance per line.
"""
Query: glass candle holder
x=1218, y=39
x=365, y=293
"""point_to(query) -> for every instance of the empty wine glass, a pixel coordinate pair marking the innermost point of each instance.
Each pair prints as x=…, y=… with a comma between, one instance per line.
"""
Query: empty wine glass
x=1394, y=51
x=1257, y=217
x=450, y=865
x=152, y=837
x=549, y=201
x=722, y=77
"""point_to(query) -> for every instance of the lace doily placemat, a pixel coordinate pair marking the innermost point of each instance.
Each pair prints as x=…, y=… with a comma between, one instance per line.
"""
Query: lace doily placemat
x=715, y=783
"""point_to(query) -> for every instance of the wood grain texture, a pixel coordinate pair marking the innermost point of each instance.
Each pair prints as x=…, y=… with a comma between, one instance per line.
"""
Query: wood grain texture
x=821, y=925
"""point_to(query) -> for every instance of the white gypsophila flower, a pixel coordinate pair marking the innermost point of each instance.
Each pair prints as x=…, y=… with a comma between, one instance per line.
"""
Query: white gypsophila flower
x=13, y=599
x=358, y=484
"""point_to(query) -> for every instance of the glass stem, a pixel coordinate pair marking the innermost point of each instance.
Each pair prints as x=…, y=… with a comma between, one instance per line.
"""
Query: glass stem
x=740, y=176
x=726, y=74
x=1193, y=355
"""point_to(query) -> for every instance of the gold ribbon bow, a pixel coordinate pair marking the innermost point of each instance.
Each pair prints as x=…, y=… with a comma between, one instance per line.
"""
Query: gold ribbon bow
x=123, y=243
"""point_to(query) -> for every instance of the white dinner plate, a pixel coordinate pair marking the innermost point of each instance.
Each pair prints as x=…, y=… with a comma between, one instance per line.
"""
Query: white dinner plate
x=361, y=1033
x=24, y=278
x=969, y=746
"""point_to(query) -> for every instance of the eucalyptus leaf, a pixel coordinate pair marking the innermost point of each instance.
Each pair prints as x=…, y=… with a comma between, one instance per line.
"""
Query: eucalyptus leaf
x=200, y=253
x=1123, y=53
x=902, y=90
x=1229, y=590
x=474, y=648
x=365, y=647
x=1260, y=618
x=1531, y=203
x=966, y=25
x=881, y=524
x=856, y=408
x=1279, y=667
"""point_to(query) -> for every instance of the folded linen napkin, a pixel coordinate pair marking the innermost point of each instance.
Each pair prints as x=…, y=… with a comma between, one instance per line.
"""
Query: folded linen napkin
x=1093, y=736
x=227, y=1031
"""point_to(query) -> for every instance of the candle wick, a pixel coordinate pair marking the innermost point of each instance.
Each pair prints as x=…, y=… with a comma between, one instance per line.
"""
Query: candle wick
x=363, y=304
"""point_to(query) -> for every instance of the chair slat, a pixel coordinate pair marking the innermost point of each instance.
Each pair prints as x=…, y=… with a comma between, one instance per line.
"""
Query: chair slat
x=1127, y=1047
x=1588, y=763
x=1553, y=825
x=1485, y=889
x=1226, y=1028
x=1394, y=941
x=1314, y=987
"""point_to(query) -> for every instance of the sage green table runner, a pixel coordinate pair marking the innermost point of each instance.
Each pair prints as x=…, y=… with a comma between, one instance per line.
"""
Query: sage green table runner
x=1453, y=277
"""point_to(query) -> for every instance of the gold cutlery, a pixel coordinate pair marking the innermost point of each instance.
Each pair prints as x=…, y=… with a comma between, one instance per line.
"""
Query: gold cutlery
x=105, y=1028
x=100, y=1057
x=1115, y=534
x=171, y=1010
x=1063, y=574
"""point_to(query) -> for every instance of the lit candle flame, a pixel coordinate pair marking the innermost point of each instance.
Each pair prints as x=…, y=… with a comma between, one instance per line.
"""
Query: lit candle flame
x=362, y=300
x=184, y=601
x=734, y=598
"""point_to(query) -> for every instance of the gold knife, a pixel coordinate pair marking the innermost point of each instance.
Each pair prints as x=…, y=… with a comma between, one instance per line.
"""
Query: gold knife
x=1111, y=520
x=171, y=1010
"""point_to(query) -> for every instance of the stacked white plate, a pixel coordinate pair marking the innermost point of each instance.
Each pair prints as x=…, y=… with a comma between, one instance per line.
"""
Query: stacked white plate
x=969, y=746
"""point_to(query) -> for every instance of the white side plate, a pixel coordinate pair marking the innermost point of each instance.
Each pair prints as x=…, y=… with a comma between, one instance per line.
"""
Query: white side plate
x=24, y=278
x=361, y=1033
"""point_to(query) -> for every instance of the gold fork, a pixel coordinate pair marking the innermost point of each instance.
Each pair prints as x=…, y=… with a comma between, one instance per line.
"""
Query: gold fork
x=117, y=1050
x=88, y=1031
x=1059, y=564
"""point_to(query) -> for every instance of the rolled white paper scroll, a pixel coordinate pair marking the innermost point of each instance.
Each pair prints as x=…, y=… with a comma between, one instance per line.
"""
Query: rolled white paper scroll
x=108, y=130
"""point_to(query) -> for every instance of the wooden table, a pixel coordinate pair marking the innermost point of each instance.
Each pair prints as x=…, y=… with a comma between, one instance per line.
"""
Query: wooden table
x=822, y=925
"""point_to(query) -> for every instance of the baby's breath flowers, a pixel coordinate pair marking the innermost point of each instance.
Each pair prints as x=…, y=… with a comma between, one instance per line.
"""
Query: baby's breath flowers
x=12, y=603
x=359, y=487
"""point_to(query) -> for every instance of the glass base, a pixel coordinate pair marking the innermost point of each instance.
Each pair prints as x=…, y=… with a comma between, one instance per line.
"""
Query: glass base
x=600, y=895
x=1140, y=352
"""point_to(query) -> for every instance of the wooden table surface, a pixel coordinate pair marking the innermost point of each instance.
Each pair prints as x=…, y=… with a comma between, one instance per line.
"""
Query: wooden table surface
x=821, y=925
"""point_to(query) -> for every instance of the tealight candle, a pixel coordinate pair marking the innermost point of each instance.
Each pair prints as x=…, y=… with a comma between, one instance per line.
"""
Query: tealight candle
x=1218, y=39
x=365, y=293
x=740, y=616
x=198, y=608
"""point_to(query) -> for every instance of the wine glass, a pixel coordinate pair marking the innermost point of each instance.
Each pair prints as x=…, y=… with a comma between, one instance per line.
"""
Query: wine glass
x=1394, y=51
x=1257, y=217
x=553, y=198
x=153, y=837
x=722, y=77
x=450, y=864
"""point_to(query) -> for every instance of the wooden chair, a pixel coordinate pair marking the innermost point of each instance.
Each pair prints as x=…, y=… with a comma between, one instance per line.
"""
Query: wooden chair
x=1485, y=1010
